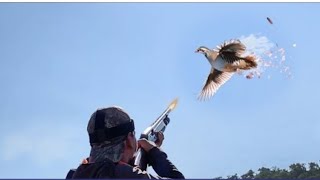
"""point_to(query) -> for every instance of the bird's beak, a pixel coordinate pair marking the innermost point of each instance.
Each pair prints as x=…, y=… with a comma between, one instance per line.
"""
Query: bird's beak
x=197, y=51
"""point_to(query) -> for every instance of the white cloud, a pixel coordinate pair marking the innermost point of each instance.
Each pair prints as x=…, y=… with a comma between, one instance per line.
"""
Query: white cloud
x=42, y=144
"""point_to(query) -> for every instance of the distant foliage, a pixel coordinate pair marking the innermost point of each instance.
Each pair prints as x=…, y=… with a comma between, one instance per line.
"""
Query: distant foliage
x=295, y=171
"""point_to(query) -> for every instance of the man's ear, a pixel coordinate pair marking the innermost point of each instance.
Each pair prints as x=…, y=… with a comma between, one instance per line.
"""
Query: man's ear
x=130, y=140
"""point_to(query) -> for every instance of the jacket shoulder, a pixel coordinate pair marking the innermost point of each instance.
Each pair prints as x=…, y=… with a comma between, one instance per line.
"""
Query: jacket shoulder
x=103, y=169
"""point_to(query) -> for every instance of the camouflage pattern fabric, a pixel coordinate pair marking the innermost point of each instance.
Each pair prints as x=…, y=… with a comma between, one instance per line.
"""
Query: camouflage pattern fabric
x=112, y=149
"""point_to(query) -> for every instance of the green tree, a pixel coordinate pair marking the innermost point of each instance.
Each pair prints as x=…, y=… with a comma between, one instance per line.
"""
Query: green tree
x=314, y=171
x=297, y=170
x=264, y=173
x=248, y=175
x=277, y=173
x=218, y=177
x=235, y=176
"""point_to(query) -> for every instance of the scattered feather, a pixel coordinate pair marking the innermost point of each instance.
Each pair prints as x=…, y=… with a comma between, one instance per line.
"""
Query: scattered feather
x=269, y=20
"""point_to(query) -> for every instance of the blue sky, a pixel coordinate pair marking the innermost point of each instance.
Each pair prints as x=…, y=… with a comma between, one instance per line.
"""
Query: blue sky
x=59, y=62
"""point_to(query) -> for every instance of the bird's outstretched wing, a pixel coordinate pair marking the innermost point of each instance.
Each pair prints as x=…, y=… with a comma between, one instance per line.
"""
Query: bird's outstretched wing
x=215, y=79
x=231, y=51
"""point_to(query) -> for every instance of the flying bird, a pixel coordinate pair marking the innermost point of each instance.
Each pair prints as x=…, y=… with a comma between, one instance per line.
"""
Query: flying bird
x=227, y=59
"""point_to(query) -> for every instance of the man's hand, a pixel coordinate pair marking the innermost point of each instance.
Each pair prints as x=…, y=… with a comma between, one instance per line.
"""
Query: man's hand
x=148, y=145
x=160, y=138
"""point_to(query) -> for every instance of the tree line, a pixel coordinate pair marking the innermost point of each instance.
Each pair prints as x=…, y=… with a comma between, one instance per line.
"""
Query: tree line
x=295, y=171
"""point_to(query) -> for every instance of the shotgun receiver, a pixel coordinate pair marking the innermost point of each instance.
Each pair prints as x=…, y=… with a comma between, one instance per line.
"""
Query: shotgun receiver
x=149, y=133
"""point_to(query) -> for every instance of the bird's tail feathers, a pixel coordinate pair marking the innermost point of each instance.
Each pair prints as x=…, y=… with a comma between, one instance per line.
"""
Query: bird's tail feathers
x=251, y=61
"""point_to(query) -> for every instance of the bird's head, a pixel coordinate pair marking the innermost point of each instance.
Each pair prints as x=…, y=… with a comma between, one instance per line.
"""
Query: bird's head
x=202, y=49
